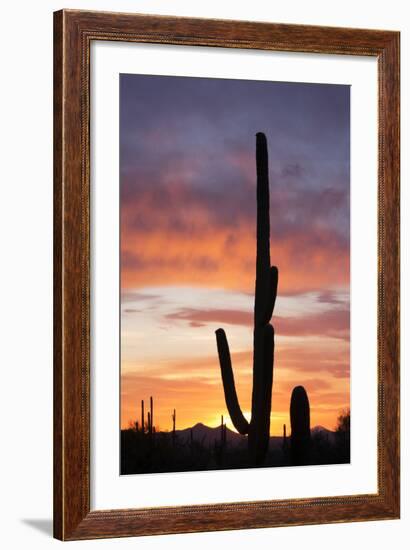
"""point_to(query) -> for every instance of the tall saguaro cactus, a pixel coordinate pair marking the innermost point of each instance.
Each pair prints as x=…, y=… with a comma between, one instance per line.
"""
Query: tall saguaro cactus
x=263, y=335
x=300, y=425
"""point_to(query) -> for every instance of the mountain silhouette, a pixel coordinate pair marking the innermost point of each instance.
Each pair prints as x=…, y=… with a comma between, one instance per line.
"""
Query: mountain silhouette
x=321, y=431
x=206, y=435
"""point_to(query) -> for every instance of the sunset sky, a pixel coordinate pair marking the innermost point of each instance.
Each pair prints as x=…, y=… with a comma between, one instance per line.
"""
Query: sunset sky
x=188, y=215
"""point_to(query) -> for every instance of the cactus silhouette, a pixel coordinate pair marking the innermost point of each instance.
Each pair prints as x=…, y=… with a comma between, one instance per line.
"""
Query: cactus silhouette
x=284, y=439
x=151, y=404
x=263, y=335
x=142, y=417
x=174, y=418
x=148, y=426
x=300, y=426
x=223, y=432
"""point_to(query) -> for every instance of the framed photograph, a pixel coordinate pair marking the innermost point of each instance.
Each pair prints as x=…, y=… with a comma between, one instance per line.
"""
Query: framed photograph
x=226, y=275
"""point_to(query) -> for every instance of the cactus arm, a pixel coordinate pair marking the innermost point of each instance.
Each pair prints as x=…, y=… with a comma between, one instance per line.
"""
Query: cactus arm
x=271, y=297
x=231, y=398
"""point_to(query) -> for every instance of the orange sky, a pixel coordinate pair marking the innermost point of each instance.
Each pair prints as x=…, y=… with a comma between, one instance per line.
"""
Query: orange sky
x=169, y=352
x=186, y=285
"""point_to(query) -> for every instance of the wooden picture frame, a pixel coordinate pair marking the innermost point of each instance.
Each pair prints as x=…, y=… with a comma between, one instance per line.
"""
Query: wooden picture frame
x=73, y=33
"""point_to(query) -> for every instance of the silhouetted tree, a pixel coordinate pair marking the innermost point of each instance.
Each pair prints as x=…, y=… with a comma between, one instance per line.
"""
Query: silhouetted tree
x=342, y=435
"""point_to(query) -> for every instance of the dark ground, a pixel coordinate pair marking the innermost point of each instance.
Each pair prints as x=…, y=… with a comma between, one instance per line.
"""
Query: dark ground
x=201, y=448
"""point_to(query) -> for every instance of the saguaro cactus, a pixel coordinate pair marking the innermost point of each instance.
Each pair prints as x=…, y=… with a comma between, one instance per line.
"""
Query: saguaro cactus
x=142, y=417
x=300, y=426
x=151, y=403
x=284, y=439
x=263, y=335
x=223, y=432
x=147, y=427
x=174, y=418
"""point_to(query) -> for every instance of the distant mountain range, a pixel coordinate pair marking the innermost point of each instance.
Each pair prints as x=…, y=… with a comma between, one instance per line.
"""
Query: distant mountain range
x=207, y=435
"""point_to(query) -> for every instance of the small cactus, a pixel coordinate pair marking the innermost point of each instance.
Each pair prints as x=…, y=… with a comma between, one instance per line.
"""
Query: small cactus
x=149, y=423
x=284, y=440
x=223, y=432
x=300, y=426
x=174, y=418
